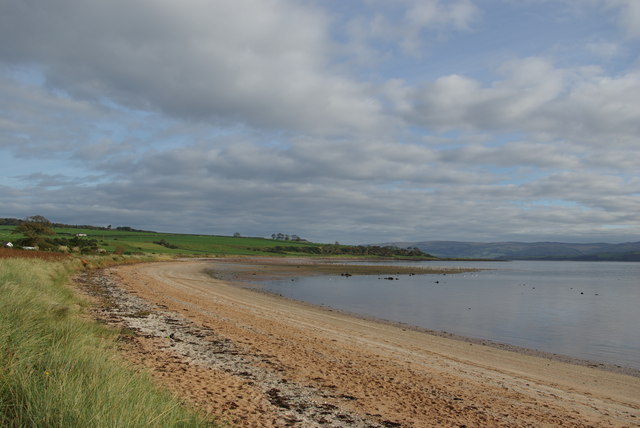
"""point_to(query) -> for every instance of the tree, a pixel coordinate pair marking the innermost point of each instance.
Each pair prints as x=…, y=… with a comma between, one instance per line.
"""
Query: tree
x=34, y=229
x=38, y=219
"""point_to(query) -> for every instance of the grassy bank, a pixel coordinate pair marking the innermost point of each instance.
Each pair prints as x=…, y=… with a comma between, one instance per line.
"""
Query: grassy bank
x=138, y=242
x=130, y=242
x=58, y=369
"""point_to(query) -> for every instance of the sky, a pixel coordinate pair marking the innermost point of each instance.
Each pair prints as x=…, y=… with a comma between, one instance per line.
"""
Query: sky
x=360, y=121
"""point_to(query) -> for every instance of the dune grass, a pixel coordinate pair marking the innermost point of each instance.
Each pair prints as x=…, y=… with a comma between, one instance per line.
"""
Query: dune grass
x=59, y=369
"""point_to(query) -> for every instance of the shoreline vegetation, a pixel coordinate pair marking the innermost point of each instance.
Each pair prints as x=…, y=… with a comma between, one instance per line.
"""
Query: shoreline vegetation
x=55, y=238
x=38, y=232
x=60, y=369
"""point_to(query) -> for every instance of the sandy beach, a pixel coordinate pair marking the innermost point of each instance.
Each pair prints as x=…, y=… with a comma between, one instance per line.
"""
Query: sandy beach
x=257, y=360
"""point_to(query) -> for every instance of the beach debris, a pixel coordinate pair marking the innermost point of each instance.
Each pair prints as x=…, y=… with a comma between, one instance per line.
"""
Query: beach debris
x=348, y=397
x=277, y=399
x=203, y=347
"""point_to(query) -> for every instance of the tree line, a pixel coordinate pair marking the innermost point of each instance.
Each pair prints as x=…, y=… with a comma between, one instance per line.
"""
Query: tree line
x=38, y=218
x=285, y=237
x=38, y=232
x=353, y=250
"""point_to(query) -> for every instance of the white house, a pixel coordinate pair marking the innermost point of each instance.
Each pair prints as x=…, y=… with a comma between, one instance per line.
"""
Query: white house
x=81, y=234
x=8, y=244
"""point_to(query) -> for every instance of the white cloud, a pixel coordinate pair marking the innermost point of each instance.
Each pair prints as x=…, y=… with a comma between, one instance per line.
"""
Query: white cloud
x=436, y=14
x=580, y=105
x=264, y=63
x=456, y=101
x=409, y=24
x=267, y=116
x=516, y=155
x=629, y=15
x=599, y=110
x=605, y=50
x=37, y=121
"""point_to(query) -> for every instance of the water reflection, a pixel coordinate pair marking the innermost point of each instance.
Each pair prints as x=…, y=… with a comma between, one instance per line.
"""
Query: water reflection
x=585, y=310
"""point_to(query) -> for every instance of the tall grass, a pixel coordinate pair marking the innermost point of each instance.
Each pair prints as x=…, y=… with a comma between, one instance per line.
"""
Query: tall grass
x=58, y=369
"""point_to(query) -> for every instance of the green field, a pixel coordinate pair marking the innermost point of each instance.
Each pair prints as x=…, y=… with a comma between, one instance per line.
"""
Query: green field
x=147, y=242
x=139, y=242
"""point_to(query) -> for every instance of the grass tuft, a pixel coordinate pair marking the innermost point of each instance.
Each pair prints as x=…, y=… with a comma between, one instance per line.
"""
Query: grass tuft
x=57, y=369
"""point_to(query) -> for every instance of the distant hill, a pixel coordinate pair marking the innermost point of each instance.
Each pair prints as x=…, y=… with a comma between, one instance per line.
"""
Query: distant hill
x=629, y=251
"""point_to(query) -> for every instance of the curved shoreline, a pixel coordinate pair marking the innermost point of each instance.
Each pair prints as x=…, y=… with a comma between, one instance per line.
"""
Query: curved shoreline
x=246, y=280
x=259, y=360
x=614, y=368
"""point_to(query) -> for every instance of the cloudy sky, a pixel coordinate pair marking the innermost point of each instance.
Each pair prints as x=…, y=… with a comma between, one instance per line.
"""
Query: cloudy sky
x=358, y=121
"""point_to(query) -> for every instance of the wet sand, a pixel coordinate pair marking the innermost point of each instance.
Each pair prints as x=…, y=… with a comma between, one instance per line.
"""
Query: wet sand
x=254, y=359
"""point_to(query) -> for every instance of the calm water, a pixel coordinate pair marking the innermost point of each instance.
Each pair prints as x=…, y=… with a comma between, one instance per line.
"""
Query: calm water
x=585, y=310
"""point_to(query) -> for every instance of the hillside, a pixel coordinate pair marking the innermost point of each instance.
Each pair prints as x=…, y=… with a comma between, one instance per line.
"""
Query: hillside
x=128, y=241
x=629, y=251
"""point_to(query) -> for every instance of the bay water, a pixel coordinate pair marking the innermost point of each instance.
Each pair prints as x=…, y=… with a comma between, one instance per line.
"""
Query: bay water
x=587, y=310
